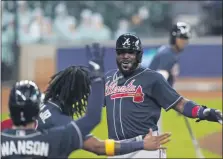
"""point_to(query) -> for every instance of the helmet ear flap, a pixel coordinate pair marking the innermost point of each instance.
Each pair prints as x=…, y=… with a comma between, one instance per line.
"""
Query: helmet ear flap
x=139, y=57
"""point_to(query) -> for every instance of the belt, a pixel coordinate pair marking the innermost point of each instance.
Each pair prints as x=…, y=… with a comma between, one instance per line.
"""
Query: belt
x=137, y=138
x=140, y=137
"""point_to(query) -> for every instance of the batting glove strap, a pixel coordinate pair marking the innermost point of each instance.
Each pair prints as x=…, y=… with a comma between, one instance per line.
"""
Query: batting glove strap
x=208, y=114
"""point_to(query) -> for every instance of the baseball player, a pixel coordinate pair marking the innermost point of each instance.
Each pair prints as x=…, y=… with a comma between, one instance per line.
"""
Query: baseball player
x=23, y=141
x=166, y=59
x=135, y=95
x=6, y=124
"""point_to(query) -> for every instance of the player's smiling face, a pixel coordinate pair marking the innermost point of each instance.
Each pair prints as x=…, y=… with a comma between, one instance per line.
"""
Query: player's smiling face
x=126, y=60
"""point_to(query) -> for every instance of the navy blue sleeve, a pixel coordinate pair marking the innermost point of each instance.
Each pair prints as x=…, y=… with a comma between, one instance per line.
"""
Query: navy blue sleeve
x=69, y=136
x=60, y=119
x=104, y=105
x=94, y=108
x=55, y=118
x=154, y=63
x=164, y=62
x=163, y=93
x=50, y=117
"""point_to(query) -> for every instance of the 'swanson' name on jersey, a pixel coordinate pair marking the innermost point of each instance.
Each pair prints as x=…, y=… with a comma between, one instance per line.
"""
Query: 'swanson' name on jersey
x=36, y=148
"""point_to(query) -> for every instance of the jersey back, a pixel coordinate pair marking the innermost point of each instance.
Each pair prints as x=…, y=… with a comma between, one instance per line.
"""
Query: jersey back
x=30, y=143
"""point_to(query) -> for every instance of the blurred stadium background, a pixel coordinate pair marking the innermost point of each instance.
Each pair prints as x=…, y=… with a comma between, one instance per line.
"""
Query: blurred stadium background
x=40, y=38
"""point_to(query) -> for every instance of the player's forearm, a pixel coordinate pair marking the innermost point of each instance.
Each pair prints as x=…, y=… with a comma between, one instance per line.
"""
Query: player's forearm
x=190, y=109
x=187, y=108
x=128, y=147
x=120, y=148
x=93, y=113
x=180, y=105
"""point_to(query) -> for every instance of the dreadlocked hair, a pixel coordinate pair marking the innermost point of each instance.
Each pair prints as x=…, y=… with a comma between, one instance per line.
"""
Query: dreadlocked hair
x=71, y=88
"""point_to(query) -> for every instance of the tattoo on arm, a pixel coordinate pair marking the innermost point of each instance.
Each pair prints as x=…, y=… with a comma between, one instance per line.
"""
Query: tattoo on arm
x=180, y=105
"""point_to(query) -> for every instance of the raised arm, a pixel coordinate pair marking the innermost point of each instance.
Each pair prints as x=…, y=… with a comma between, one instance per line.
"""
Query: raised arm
x=93, y=113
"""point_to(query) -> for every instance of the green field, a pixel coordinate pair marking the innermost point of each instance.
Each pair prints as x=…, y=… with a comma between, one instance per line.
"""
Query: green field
x=181, y=145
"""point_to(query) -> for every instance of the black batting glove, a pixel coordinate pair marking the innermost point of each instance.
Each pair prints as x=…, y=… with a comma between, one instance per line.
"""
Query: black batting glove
x=209, y=114
x=95, y=56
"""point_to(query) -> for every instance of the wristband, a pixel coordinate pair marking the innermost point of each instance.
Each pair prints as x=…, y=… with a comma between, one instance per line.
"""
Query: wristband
x=110, y=147
x=128, y=147
x=191, y=109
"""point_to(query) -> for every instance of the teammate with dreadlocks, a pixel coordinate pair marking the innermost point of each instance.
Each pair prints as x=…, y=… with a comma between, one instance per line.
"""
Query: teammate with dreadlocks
x=64, y=96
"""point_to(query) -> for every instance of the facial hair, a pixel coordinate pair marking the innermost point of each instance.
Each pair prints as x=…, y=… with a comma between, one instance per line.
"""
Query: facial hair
x=124, y=64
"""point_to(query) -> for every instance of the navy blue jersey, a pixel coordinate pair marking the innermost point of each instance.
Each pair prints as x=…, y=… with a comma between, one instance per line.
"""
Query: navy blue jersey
x=166, y=59
x=134, y=103
x=29, y=143
x=51, y=116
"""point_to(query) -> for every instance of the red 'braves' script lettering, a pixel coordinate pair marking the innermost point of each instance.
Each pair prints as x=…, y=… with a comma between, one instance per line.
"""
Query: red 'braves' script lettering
x=129, y=90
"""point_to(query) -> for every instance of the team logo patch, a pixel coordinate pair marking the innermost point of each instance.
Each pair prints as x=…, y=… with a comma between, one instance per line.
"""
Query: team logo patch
x=130, y=90
x=126, y=43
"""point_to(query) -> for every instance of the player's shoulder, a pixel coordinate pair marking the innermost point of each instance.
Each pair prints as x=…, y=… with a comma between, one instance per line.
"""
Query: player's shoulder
x=110, y=73
x=165, y=51
x=61, y=128
x=148, y=71
x=50, y=105
x=152, y=74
